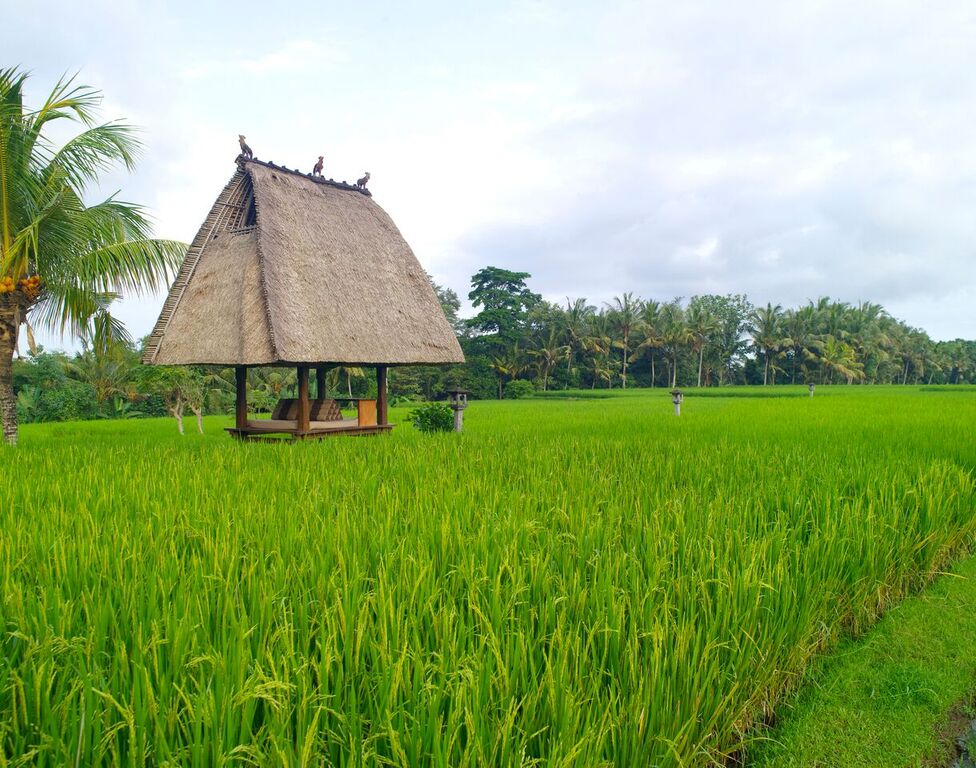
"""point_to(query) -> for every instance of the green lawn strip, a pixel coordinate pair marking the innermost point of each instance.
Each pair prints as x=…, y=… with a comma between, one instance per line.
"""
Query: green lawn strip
x=879, y=701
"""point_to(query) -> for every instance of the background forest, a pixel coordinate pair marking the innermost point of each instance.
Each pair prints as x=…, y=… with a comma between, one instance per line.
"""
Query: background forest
x=518, y=345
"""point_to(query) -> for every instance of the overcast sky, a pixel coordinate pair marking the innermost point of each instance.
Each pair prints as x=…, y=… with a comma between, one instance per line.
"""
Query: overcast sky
x=783, y=150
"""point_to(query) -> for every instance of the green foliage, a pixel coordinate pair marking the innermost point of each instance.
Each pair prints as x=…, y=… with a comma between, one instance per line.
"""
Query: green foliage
x=433, y=417
x=69, y=258
x=504, y=300
x=516, y=390
x=545, y=591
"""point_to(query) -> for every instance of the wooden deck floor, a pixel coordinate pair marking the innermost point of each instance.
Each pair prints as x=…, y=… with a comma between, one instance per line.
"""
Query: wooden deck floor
x=279, y=429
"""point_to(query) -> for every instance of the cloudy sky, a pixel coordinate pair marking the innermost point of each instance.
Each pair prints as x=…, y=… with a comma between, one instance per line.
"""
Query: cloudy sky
x=784, y=150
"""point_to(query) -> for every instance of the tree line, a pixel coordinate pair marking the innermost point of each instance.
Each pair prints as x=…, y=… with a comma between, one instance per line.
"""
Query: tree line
x=518, y=344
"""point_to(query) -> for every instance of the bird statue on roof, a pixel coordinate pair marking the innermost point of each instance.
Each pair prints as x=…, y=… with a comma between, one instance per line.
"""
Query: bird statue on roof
x=361, y=183
x=317, y=170
x=245, y=149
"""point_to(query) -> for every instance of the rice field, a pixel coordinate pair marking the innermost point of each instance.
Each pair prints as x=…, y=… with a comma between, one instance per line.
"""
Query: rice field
x=567, y=583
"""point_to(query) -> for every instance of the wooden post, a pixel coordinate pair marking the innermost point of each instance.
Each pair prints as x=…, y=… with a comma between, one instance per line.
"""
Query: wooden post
x=320, y=388
x=381, y=406
x=240, y=415
x=303, y=405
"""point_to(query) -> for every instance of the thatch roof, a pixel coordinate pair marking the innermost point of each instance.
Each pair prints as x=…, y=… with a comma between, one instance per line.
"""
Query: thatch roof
x=288, y=268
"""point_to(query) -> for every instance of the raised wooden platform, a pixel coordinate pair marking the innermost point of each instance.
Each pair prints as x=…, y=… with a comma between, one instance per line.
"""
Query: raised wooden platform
x=280, y=429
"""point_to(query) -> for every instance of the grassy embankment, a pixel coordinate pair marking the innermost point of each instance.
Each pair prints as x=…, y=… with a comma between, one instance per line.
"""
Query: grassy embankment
x=882, y=701
x=575, y=583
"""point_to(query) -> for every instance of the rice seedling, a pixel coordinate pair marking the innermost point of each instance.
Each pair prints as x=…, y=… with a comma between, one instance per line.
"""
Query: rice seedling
x=565, y=583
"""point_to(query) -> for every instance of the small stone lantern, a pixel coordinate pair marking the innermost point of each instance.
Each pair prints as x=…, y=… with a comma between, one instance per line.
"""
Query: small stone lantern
x=458, y=399
x=811, y=386
x=677, y=396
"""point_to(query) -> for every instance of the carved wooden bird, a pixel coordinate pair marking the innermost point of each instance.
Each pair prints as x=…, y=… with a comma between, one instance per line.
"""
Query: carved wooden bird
x=361, y=183
x=245, y=149
x=317, y=170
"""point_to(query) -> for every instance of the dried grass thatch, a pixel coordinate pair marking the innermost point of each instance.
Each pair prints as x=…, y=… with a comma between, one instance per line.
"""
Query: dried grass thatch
x=291, y=269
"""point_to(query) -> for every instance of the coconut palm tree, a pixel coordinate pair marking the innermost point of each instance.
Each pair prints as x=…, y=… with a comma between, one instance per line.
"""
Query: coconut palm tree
x=599, y=342
x=625, y=317
x=650, y=327
x=575, y=326
x=104, y=369
x=839, y=357
x=511, y=364
x=62, y=261
x=765, y=325
x=674, y=336
x=798, y=325
x=702, y=323
x=548, y=355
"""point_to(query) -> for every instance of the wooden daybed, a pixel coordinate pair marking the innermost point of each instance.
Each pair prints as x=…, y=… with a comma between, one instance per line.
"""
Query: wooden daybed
x=324, y=420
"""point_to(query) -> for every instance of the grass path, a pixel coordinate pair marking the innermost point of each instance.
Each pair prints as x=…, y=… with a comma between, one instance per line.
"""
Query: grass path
x=880, y=701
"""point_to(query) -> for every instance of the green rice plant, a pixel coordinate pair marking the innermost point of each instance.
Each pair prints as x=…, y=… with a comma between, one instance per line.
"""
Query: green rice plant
x=590, y=582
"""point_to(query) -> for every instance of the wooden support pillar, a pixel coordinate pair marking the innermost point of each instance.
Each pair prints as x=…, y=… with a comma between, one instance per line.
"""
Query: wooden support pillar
x=320, y=387
x=303, y=404
x=382, y=417
x=240, y=413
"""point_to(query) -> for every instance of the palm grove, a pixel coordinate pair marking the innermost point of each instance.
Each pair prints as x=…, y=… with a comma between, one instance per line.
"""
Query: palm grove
x=526, y=343
x=63, y=261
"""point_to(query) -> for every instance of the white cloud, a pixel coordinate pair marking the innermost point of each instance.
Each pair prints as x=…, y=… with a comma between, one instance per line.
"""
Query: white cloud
x=294, y=56
x=783, y=150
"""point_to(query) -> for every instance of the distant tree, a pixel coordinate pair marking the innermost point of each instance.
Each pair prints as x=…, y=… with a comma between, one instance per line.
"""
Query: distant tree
x=548, y=354
x=63, y=261
x=674, y=336
x=180, y=387
x=651, y=340
x=505, y=302
x=450, y=304
x=575, y=327
x=798, y=326
x=625, y=317
x=767, y=333
x=702, y=325
x=728, y=344
x=104, y=368
x=839, y=357
x=509, y=365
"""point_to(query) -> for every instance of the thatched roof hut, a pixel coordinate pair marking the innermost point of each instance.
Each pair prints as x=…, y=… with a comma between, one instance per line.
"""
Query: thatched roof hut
x=291, y=269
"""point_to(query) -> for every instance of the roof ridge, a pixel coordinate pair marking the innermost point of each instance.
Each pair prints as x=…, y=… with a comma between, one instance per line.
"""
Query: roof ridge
x=243, y=161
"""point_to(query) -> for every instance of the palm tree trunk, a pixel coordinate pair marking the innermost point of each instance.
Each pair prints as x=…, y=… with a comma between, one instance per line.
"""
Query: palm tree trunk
x=674, y=371
x=701, y=357
x=8, y=342
x=766, y=368
x=348, y=382
x=652, y=370
x=623, y=375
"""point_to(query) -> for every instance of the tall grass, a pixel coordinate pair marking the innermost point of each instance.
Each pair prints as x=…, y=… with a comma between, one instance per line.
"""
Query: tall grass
x=566, y=583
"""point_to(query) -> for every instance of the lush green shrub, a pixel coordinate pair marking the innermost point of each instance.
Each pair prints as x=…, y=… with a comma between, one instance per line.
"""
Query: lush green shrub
x=433, y=417
x=516, y=390
x=71, y=401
